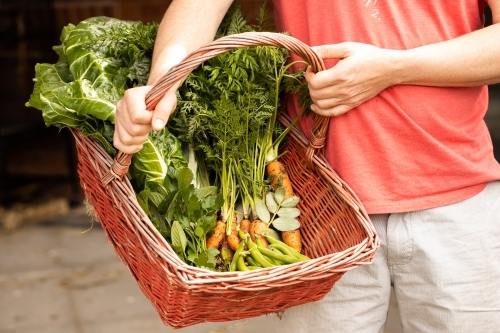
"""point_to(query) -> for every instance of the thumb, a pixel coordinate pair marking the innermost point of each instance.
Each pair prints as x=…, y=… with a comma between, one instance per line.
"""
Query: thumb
x=331, y=51
x=163, y=109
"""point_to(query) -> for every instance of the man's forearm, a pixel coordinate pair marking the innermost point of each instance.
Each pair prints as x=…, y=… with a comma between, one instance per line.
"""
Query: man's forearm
x=186, y=26
x=469, y=60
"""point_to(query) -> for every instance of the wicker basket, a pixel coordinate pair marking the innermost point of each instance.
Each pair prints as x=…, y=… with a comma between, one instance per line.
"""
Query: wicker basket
x=337, y=233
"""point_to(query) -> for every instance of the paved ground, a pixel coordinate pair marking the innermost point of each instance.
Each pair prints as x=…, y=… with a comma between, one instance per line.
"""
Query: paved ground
x=63, y=277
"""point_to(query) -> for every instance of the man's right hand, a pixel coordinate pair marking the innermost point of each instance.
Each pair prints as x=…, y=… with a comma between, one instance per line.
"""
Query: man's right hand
x=133, y=122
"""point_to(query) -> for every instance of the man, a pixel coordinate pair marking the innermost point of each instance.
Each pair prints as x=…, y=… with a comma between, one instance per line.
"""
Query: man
x=406, y=92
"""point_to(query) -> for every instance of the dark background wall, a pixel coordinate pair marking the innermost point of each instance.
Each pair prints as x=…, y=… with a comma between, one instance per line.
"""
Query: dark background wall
x=35, y=161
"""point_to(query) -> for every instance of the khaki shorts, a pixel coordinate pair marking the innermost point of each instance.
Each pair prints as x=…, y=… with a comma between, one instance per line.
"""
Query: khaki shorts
x=444, y=266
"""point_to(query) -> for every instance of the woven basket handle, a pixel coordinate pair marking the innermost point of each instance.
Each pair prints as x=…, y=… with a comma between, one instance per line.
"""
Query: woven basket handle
x=181, y=71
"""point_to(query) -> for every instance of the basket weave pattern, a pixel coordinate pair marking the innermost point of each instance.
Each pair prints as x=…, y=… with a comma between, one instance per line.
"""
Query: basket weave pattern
x=337, y=233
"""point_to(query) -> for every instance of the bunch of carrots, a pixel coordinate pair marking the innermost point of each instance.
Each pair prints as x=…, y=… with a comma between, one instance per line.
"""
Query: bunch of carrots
x=227, y=114
x=254, y=244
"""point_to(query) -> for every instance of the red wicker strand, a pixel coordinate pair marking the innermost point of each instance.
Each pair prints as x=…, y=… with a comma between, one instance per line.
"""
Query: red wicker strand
x=337, y=233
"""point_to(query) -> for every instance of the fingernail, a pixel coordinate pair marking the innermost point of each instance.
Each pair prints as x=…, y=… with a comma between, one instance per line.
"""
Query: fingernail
x=158, y=124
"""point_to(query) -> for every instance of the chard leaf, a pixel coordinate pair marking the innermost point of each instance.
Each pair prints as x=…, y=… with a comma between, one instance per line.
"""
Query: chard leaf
x=82, y=88
x=85, y=99
x=160, y=151
x=170, y=184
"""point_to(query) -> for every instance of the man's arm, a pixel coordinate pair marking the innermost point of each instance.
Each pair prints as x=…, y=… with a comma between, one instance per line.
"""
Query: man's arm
x=186, y=26
x=469, y=60
x=365, y=70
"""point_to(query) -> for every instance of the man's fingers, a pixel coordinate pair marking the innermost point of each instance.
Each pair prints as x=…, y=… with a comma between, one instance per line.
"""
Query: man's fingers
x=332, y=51
x=133, y=108
x=333, y=111
x=163, y=110
x=125, y=148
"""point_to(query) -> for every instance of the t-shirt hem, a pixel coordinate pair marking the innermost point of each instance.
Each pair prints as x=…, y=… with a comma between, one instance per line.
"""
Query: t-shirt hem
x=438, y=200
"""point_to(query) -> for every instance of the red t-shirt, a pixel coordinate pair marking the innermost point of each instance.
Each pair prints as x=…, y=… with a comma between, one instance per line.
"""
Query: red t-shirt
x=410, y=147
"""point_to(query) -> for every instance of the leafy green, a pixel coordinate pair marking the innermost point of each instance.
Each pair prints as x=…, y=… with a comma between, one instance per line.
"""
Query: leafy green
x=279, y=212
x=188, y=215
x=160, y=155
x=83, y=87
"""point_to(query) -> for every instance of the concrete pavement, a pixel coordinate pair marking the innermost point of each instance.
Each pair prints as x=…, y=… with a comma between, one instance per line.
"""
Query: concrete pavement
x=62, y=276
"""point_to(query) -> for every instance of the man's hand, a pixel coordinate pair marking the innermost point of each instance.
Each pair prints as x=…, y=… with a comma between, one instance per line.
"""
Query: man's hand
x=133, y=122
x=362, y=72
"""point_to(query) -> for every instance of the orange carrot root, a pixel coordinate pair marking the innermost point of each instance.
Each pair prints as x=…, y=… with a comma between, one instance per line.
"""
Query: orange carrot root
x=293, y=239
x=257, y=228
x=278, y=177
x=215, y=240
x=245, y=225
x=233, y=239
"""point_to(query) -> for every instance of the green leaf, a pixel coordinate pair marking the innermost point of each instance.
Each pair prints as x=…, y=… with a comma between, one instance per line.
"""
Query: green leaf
x=279, y=195
x=183, y=220
x=194, y=203
x=288, y=212
x=156, y=198
x=161, y=151
x=286, y=224
x=199, y=232
x=271, y=204
x=206, y=191
x=272, y=233
x=169, y=183
x=167, y=201
x=179, y=240
x=262, y=211
x=185, y=177
x=142, y=202
x=290, y=202
x=219, y=201
x=186, y=193
x=171, y=208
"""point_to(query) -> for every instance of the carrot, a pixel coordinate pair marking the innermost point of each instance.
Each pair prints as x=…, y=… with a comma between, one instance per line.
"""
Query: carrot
x=217, y=236
x=257, y=228
x=293, y=239
x=233, y=240
x=245, y=225
x=278, y=177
